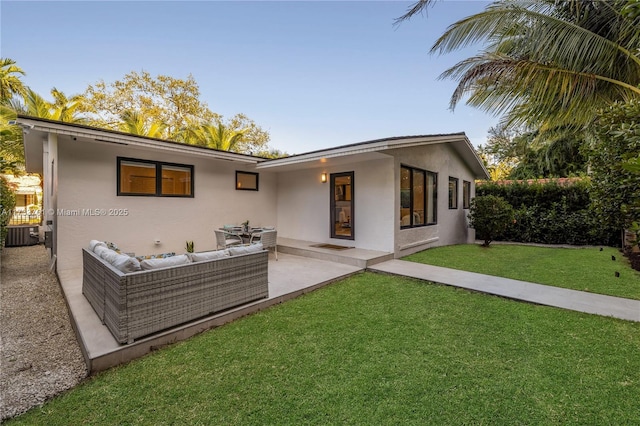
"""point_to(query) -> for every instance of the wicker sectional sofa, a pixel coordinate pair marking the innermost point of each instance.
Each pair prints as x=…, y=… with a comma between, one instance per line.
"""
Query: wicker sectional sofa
x=136, y=304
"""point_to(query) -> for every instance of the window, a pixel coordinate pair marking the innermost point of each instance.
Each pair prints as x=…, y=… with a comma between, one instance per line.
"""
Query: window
x=418, y=197
x=453, y=192
x=246, y=181
x=466, y=194
x=154, y=178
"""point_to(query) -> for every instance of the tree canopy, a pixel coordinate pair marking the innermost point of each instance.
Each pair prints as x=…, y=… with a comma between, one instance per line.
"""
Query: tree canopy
x=10, y=79
x=168, y=108
x=162, y=107
x=544, y=64
x=164, y=99
x=520, y=154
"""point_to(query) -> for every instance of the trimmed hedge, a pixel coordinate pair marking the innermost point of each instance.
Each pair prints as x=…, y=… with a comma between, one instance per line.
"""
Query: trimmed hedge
x=550, y=213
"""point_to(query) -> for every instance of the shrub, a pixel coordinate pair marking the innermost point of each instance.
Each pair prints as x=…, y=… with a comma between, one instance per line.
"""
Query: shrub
x=7, y=203
x=490, y=216
x=615, y=195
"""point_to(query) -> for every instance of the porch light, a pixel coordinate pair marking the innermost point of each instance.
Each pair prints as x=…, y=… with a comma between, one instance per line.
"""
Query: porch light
x=323, y=178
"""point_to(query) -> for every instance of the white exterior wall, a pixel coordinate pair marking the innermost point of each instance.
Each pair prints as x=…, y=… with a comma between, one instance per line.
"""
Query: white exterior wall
x=50, y=190
x=303, y=205
x=87, y=180
x=452, y=224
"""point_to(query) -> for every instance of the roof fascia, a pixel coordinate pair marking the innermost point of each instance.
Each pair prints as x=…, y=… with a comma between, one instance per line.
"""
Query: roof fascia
x=375, y=146
x=481, y=170
x=117, y=138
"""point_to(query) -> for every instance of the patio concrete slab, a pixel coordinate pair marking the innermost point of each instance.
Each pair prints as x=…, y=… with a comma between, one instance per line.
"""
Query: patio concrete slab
x=361, y=258
x=289, y=277
x=581, y=301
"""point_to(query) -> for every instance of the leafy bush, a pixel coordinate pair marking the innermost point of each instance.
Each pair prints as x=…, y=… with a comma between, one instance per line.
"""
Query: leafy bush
x=7, y=203
x=615, y=196
x=550, y=213
x=490, y=216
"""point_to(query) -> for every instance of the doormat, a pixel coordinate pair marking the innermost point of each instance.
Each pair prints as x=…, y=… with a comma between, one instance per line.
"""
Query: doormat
x=330, y=246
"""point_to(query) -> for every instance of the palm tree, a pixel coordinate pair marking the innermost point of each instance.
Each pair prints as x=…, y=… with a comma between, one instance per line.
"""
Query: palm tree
x=545, y=64
x=63, y=108
x=216, y=136
x=134, y=123
x=11, y=148
x=10, y=83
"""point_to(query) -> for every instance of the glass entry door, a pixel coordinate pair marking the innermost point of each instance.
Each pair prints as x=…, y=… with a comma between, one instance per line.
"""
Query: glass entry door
x=342, y=205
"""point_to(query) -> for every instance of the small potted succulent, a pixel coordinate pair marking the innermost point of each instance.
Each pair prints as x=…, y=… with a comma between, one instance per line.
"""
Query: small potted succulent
x=245, y=225
x=189, y=246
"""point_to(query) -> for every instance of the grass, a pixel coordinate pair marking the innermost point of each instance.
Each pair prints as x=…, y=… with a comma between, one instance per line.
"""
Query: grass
x=377, y=349
x=586, y=269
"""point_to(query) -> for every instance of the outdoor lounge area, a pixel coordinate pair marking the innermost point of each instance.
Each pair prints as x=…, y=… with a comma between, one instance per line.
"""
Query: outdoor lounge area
x=170, y=291
x=289, y=277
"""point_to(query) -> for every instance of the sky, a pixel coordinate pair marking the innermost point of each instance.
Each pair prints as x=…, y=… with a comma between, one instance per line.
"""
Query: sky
x=314, y=74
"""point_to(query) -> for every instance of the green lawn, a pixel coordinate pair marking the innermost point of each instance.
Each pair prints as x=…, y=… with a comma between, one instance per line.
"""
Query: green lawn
x=587, y=269
x=377, y=349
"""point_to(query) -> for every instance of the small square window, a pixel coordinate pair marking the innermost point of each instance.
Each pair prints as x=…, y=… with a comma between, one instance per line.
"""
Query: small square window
x=246, y=181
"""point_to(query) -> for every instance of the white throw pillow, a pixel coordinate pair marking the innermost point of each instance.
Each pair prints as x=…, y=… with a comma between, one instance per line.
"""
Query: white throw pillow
x=208, y=255
x=95, y=243
x=108, y=255
x=148, y=264
x=99, y=250
x=126, y=263
x=253, y=248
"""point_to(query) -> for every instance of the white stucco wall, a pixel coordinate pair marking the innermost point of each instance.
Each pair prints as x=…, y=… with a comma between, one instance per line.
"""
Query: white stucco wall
x=303, y=205
x=297, y=202
x=50, y=191
x=87, y=180
x=452, y=224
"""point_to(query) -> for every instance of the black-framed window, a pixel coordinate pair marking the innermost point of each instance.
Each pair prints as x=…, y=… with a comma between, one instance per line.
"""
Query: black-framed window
x=453, y=192
x=466, y=194
x=418, y=197
x=247, y=181
x=154, y=178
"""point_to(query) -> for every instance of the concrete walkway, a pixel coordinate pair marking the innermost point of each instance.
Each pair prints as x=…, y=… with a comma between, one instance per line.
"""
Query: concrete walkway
x=581, y=301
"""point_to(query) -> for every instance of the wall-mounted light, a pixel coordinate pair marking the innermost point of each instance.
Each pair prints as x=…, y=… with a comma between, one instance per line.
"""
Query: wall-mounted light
x=323, y=178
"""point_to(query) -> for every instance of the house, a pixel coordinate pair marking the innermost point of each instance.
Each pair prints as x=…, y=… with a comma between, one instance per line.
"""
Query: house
x=28, y=192
x=396, y=195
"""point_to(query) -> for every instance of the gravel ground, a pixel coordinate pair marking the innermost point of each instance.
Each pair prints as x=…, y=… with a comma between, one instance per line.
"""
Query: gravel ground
x=39, y=353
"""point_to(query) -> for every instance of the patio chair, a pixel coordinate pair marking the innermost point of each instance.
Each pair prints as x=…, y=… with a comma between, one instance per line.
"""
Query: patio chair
x=268, y=238
x=226, y=239
x=256, y=233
